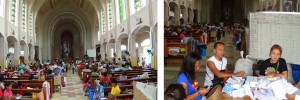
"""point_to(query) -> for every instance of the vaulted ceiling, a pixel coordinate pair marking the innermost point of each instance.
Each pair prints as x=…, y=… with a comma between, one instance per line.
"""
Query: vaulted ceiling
x=84, y=5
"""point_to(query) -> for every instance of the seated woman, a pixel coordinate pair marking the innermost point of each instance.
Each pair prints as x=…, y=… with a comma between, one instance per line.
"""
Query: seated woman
x=95, y=72
x=275, y=65
x=216, y=67
x=187, y=77
x=50, y=74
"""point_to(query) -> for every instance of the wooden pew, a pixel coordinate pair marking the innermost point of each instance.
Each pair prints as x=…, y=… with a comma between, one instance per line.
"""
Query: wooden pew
x=123, y=96
x=50, y=80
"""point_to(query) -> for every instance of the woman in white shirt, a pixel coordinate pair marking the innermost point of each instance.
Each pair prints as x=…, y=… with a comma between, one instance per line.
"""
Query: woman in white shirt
x=216, y=66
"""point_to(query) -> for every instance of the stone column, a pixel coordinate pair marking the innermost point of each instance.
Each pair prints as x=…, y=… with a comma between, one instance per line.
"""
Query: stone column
x=132, y=50
x=140, y=53
x=32, y=53
x=26, y=50
x=154, y=48
x=103, y=51
x=185, y=15
x=17, y=49
x=108, y=51
x=118, y=49
x=2, y=53
x=177, y=15
x=166, y=13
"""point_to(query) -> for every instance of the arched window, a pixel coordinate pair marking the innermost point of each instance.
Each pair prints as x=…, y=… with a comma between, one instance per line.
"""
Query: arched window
x=112, y=52
x=146, y=42
x=23, y=16
x=99, y=35
x=123, y=47
x=11, y=50
x=109, y=16
x=103, y=21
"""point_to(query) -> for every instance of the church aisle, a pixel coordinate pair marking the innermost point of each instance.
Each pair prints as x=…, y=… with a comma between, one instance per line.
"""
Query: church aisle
x=72, y=90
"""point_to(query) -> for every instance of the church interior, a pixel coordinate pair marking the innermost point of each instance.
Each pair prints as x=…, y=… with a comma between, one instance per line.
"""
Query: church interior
x=66, y=49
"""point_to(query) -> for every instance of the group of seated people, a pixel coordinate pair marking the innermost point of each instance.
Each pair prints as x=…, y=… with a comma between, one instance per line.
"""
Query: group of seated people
x=95, y=88
x=217, y=73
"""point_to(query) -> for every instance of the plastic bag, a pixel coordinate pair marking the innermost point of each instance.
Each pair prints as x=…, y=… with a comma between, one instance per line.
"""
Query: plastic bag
x=244, y=65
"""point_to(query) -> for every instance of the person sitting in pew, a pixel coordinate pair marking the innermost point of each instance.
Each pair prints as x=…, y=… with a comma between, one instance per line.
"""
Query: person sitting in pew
x=7, y=94
x=99, y=90
x=85, y=85
x=39, y=71
x=104, y=77
x=50, y=74
x=115, y=90
x=275, y=65
x=42, y=76
x=95, y=72
x=123, y=76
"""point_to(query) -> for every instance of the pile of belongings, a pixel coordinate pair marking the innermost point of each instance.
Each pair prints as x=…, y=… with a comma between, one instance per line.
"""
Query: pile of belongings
x=261, y=88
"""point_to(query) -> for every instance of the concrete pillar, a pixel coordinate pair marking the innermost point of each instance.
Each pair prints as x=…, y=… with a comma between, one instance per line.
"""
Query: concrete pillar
x=118, y=49
x=153, y=44
x=32, y=53
x=177, y=15
x=26, y=54
x=2, y=53
x=140, y=53
x=166, y=13
x=185, y=15
x=103, y=51
x=132, y=50
x=17, y=49
x=108, y=50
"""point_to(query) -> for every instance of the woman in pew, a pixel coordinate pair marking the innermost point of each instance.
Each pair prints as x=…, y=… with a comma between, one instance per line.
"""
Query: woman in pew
x=99, y=89
x=85, y=85
x=187, y=77
x=95, y=72
x=50, y=74
x=122, y=77
x=104, y=77
x=275, y=65
x=216, y=67
x=7, y=94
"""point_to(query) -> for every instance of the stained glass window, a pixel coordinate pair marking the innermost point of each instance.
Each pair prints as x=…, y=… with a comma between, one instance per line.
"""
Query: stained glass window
x=13, y=11
x=109, y=16
x=103, y=21
x=23, y=16
x=122, y=10
x=31, y=23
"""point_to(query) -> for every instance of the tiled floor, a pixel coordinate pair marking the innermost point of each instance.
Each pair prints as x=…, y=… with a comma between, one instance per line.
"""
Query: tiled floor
x=173, y=66
x=72, y=91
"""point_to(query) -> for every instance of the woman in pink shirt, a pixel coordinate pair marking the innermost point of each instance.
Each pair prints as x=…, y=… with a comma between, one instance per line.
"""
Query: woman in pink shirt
x=7, y=94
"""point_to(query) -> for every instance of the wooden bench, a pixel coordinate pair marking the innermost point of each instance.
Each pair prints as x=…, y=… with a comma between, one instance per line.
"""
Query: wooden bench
x=50, y=80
